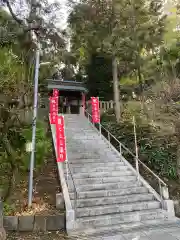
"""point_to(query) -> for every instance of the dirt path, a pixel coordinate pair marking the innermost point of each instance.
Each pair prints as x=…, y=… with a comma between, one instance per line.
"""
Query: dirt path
x=46, y=185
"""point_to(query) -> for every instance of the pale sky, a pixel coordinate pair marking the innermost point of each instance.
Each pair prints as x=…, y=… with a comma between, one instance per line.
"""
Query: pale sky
x=64, y=12
x=62, y=19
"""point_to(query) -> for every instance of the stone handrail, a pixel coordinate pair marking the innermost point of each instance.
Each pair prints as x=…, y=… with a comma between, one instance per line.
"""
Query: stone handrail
x=70, y=213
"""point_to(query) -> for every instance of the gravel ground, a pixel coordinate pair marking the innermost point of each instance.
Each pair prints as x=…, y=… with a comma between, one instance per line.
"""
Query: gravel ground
x=44, y=236
x=37, y=236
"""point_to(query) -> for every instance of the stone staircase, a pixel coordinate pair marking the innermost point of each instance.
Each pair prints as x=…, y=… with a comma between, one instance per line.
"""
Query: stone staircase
x=110, y=199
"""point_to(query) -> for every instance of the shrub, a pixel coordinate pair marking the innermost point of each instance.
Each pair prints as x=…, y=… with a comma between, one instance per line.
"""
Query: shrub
x=15, y=163
x=157, y=152
x=43, y=144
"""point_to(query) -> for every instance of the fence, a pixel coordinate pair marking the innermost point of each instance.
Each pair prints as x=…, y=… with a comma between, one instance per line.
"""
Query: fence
x=104, y=106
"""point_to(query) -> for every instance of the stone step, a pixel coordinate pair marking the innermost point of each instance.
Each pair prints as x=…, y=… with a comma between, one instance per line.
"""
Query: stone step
x=78, y=121
x=70, y=128
x=82, y=134
x=75, y=117
x=83, y=150
x=91, y=157
x=120, y=218
x=76, y=128
x=82, y=137
x=101, y=201
x=79, y=130
x=91, y=153
x=89, y=163
x=133, y=228
x=85, y=142
x=105, y=161
x=103, y=186
x=78, y=168
x=102, y=174
x=85, y=181
x=117, y=208
x=126, y=192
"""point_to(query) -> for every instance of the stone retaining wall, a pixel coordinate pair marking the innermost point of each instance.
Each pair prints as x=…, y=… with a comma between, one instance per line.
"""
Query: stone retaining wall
x=34, y=223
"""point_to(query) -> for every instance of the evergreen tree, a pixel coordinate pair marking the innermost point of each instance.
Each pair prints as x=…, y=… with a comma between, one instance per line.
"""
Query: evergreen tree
x=122, y=29
x=99, y=76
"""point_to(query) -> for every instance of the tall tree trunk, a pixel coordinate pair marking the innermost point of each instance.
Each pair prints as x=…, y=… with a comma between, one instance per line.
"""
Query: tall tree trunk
x=141, y=88
x=177, y=129
x=140, y=79
x=116, y=89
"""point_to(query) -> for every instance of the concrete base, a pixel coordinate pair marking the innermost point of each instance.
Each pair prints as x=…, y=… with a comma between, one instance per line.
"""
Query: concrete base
x=168, y=205
x=70, y=221
x=2, y=234
x=165, y=192
x=177, y=207
x=60, y=201
x=81, y=110
x=34, y=223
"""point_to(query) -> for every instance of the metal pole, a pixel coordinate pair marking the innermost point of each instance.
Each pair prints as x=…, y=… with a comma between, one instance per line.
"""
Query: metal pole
x=136, y=148
x=160, y=190
x=120, y=148
x=109, y=138
x=36, y=77
x=100, y=129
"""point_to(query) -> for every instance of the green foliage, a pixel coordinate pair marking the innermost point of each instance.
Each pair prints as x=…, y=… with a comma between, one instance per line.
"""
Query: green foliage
x=172, y=22
x=128, y=81
x=43, y=144
x=158, y=153
x=18, y=162
x=7, y=209
x=11, y=71
x=138, y=26
x=99, y=76
x=161, y=156
x=17, y=53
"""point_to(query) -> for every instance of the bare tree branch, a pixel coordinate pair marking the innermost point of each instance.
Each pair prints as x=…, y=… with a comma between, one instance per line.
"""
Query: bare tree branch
x=34, y=28
x=18, y=20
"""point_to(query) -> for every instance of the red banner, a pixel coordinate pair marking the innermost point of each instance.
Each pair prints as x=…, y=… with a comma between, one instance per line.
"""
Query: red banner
x=60, y=139
x=53, y=111
x=55, y=92
x=95, y=110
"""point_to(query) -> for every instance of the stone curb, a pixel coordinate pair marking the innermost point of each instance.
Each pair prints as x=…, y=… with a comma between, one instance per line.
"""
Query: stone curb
x=34, y=223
